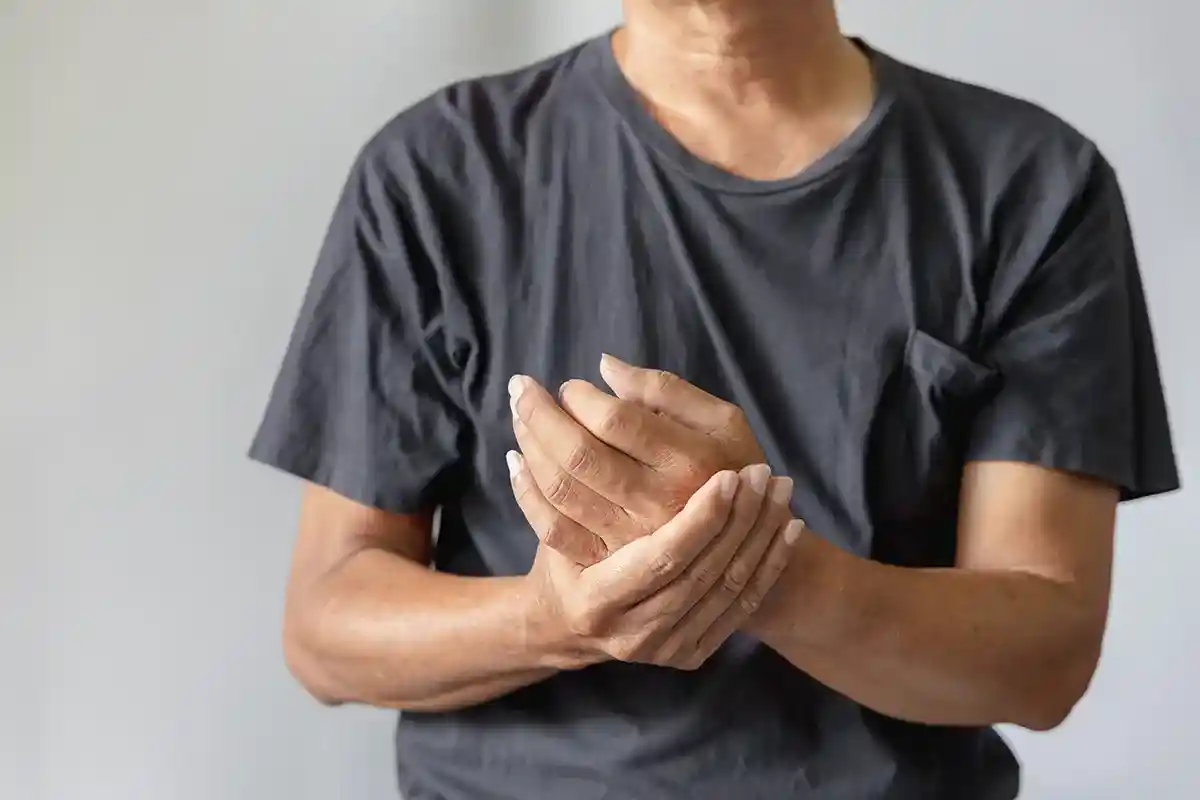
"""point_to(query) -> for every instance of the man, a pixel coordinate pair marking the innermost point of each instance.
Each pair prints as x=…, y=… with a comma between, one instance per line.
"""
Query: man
x=830, y=286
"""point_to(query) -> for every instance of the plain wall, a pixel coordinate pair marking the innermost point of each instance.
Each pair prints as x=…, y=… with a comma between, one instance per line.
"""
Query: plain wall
x=167, y=170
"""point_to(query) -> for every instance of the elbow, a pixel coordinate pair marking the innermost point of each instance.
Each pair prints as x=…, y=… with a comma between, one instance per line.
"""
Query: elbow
x=1047, y=713
x=304, y=664
x=321, y=671
x=1045, y=704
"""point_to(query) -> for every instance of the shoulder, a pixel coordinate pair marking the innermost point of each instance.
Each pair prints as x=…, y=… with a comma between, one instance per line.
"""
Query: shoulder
x=1002, y=141
x=482, y=123
x=1025, y=176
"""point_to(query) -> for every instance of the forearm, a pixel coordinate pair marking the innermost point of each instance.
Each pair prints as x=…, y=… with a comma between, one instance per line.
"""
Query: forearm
x=386, y=631
x=935, y=646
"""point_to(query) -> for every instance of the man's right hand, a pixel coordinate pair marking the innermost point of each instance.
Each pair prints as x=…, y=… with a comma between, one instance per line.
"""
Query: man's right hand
x=673, y=597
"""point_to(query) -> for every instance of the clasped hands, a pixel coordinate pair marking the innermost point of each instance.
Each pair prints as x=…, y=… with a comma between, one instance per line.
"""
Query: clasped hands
x=660, y=527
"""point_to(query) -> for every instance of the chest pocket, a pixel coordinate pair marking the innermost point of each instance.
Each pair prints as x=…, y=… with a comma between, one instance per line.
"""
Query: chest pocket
x=917, y=444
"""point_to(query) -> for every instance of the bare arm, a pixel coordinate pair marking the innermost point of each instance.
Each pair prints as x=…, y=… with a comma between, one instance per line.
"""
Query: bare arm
x=367, y=621
x=1012, y=635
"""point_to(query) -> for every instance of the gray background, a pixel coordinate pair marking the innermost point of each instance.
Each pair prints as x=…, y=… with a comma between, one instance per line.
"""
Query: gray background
x=166, y=173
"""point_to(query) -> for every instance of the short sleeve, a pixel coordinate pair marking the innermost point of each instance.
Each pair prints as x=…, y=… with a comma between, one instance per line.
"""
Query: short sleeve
x=364, y=401
x=1080, y=388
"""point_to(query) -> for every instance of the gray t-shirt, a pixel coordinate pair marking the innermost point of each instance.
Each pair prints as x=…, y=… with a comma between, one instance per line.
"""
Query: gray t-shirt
x=955, y=281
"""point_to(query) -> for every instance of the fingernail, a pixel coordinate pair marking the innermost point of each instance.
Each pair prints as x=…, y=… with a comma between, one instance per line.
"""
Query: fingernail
x=791, y=534
x=517, y=386
x=756, y=477
x=781, y=492
x=607, y=360
x=728, y=484
x=514, y=463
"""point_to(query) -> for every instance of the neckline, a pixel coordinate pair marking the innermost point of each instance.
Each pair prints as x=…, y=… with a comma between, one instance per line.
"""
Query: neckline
x=626, y=101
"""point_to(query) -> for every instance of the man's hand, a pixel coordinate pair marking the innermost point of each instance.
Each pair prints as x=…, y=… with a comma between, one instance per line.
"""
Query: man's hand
x=673, y=597
x=616, y=468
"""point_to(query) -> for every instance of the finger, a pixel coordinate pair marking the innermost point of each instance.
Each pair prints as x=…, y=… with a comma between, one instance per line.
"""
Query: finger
x=650, y=438
x=714, y=563
x=644, y=566
x=735, y=573
x=745, y=564
x=578, y=454
x=552, y=527
x=669, y=394
x=772, y=568
x=573, y=499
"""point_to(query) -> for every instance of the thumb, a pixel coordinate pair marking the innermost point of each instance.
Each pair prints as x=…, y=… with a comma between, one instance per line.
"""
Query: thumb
x=665, y=393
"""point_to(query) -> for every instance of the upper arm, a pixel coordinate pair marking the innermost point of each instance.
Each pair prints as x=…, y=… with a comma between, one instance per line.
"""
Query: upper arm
x=1044, y=522
x=1079, y=422
x=332, y=528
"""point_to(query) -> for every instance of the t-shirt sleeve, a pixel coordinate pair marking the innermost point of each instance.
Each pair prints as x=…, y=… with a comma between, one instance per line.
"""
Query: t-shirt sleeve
x=1080, y=388
x=364, y=402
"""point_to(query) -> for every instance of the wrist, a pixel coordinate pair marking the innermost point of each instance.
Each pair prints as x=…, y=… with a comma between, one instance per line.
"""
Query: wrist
x=809, y=602
x=548, y=638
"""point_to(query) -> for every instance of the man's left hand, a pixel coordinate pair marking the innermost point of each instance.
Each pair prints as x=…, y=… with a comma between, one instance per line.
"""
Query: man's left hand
x=617, y=468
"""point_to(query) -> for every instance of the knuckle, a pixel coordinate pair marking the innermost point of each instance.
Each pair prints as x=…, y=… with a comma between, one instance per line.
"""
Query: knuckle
x=561, y=490
x=749, y=602
x=736, y=578
x=663, y=565
x=628, y=527
x=581, y=460
x=705, y=575
x=616, y=421
x=556, y=532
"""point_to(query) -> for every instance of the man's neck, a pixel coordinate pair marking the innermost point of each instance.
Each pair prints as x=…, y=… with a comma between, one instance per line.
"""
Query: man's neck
x=780, y=52
x=746, y=75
